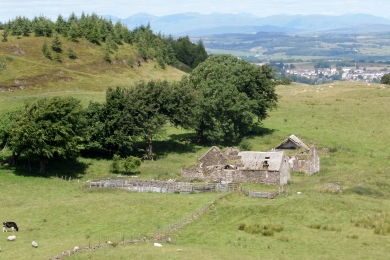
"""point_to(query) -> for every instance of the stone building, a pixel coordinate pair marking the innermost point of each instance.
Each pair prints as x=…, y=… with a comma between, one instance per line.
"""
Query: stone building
x=303, y=158
x=234, y=166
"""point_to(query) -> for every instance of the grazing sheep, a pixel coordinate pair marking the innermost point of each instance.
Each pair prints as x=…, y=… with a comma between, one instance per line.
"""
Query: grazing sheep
x=169, y=240
x=108, y=242
x=76, y=248
x=11, y=238
x=34, y=244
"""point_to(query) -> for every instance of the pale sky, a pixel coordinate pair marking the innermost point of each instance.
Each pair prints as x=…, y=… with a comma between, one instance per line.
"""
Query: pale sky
x=9, y=9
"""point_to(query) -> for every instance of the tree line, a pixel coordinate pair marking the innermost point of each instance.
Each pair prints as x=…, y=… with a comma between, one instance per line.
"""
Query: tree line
x=221, y=101
x=103, y=32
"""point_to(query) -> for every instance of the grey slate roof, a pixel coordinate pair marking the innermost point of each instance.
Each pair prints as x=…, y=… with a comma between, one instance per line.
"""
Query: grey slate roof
x=295, y=140
x=254, y=160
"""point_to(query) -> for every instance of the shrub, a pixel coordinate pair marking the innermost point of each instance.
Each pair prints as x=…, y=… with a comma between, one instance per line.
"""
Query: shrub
x=131, y=163
x=245, y=145
x=72, y=54
x=386, y=79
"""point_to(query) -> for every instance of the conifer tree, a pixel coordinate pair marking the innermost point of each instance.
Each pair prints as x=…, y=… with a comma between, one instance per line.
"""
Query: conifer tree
x=73, y=32
x=61, y=26
x=57, y=44
x=106, y=56
x=110, y=43
x=94, y=36
x=45, y=50
x=5, y=33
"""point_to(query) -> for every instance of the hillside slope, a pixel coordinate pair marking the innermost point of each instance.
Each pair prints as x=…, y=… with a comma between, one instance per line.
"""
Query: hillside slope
x=28, y=72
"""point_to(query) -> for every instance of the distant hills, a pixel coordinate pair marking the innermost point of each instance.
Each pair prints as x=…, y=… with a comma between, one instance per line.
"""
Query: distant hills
x=195, y=24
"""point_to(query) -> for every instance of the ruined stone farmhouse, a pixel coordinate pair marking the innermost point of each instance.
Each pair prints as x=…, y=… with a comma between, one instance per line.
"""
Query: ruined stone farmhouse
x=303, y=158
x=234, y=166
x=272, y=167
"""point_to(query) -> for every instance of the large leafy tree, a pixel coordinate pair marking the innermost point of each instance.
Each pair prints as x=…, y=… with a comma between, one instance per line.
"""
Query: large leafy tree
x=152, y=104
x=232, y=95
x=138, y=112
x=109, y=125
x=48, y=128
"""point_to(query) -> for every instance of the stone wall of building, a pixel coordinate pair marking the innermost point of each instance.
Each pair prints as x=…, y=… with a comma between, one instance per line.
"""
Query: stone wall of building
x=192, y=174
x=241, y=176
x=212, y=157
x=309, y=163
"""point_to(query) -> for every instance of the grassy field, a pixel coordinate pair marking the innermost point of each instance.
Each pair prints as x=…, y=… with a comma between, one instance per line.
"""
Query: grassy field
x=347, y=122
x=28, y=74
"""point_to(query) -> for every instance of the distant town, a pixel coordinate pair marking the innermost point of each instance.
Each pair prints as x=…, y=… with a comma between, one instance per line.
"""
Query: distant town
x=348, y=74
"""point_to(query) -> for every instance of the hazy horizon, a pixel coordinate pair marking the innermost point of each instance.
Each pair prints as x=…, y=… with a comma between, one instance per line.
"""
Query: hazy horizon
x=123, y=9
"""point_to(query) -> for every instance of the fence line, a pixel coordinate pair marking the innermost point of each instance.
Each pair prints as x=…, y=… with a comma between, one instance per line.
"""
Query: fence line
x=158, y=235
x=163, y=233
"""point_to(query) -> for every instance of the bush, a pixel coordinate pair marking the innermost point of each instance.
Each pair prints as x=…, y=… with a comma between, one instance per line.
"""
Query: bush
x=131, y=163
x=245, y=145
x=386, y=79
x=72, y=54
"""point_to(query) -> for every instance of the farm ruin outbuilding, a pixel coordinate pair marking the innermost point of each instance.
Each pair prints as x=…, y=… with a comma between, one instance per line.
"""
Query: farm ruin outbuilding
x=304, y=159
x=234, y=166
x=272, y=167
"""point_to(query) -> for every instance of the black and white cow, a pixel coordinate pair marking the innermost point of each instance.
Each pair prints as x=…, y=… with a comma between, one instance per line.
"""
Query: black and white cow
x=11, y=225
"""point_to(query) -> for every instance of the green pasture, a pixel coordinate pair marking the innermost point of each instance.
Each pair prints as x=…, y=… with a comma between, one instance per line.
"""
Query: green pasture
x=348, y=122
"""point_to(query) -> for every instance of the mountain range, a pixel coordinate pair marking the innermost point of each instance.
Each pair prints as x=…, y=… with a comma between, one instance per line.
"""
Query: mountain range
x=195, y=24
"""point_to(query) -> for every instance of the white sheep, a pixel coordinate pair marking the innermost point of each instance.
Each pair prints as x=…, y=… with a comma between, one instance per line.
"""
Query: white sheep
x=76, y=248
x=157, y=244
x=34, y=244
x=11, y=238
